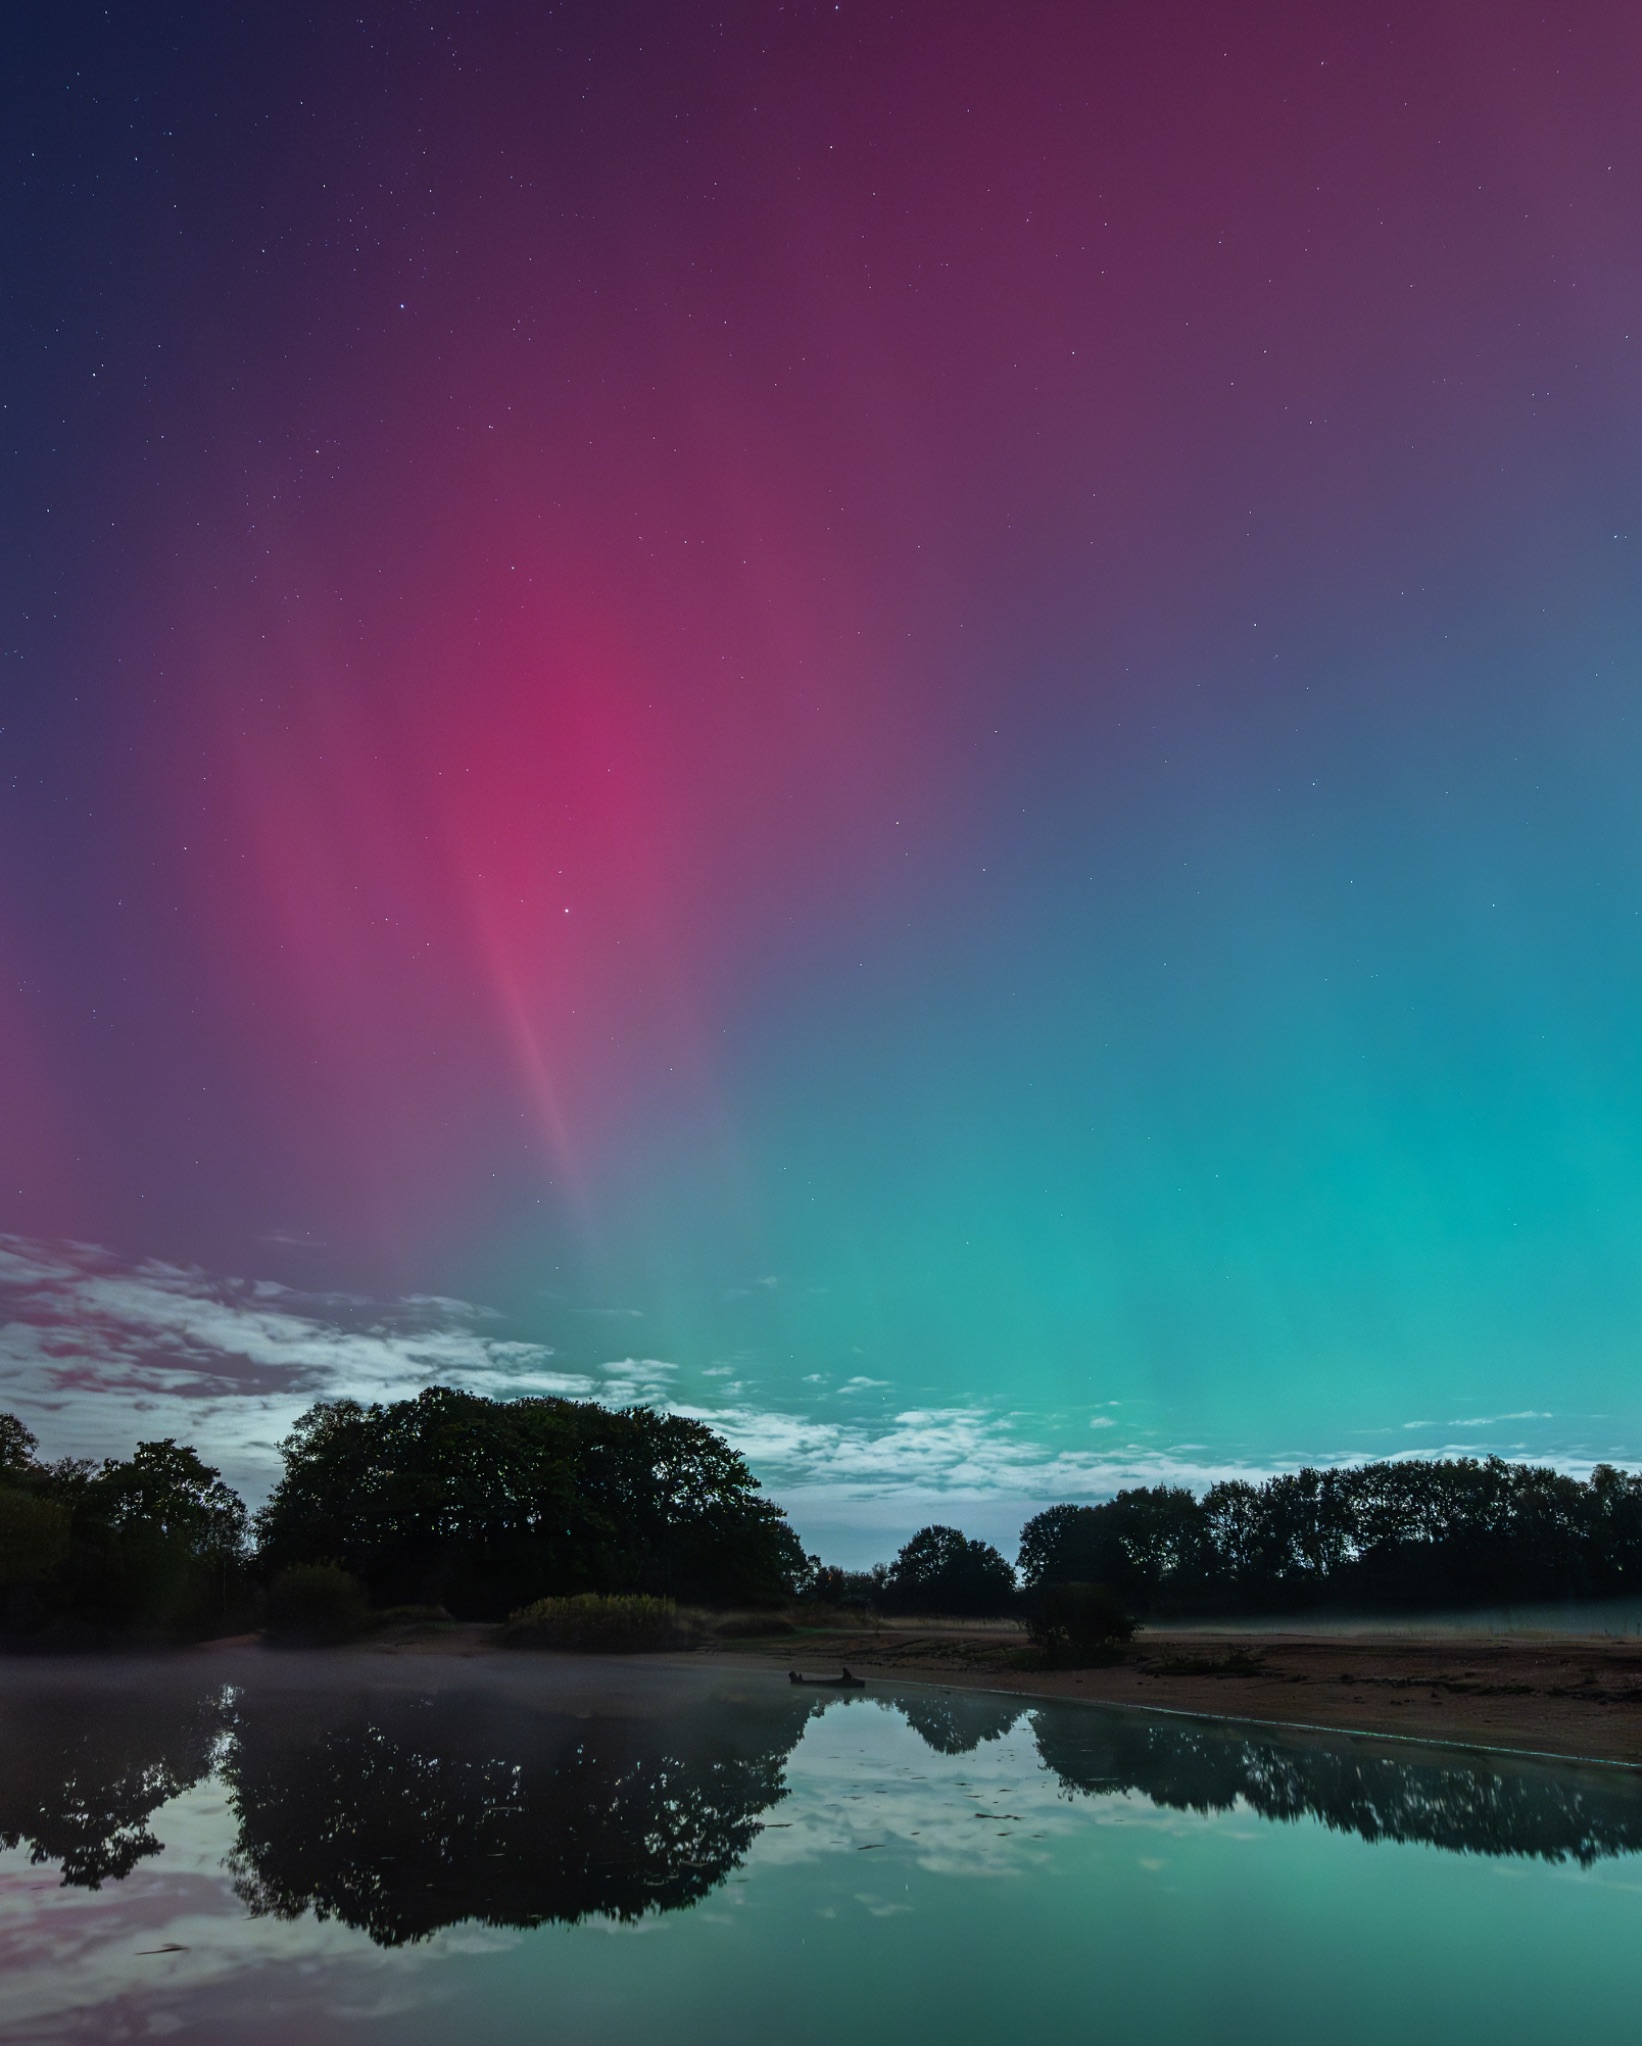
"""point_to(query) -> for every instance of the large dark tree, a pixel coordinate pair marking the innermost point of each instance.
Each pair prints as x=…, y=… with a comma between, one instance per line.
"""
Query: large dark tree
x=158, y=1539
x=154, y=1542
x=1147, y=1547
x=486, y=1505
x=942, y=1571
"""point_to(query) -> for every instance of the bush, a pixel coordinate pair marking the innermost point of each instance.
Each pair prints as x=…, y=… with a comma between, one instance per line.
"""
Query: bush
x=858, y=1591
x=410, y=1616
x=751, y=1626
x=591, y=1622
x=1078, y=1623
x=316, y=1605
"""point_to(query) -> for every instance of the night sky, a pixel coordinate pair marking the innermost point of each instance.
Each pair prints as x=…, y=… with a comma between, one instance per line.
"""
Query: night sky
x=916, y=725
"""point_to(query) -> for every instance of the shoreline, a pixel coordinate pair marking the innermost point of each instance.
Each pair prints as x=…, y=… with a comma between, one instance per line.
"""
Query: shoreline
x=1556, y=1698
x=1567, y=1699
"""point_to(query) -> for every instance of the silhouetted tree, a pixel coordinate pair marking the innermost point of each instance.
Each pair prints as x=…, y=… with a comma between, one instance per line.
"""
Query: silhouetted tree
x=1147, y=1546
x=1451, y=1532
x=17, y=1447
x=158, y=1539
x=1077, y=1623
x=942, y=1571
x=484, y=1506
x=155, y=1541
x=828, y=1585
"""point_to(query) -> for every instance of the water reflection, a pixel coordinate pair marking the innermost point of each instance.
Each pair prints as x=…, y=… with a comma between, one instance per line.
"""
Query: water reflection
x=1477, y=1805
x=83, y=1772
x=519, y=1801
x=401, y=1815
x=956, y=1722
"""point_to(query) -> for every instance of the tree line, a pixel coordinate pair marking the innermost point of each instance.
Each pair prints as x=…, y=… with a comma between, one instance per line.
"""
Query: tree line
x=1453, y=1532
x=449, y=1500
x=481, y=1507
x=154, y=1541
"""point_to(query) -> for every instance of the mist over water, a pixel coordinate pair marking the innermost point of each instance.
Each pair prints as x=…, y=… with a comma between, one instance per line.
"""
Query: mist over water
x=300, y=1847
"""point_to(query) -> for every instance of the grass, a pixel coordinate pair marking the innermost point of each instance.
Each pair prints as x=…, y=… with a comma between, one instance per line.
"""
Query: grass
x=617, y=1624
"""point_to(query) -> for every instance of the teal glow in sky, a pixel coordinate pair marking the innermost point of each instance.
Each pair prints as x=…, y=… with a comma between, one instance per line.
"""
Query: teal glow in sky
x=921, y=730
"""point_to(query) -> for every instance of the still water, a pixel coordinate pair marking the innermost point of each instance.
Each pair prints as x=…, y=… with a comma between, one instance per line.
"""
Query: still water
x=421, y=1849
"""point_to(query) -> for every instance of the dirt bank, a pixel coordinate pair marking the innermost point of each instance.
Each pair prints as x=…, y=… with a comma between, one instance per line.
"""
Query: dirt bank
x=1561, y=1695
x=1551, y=1694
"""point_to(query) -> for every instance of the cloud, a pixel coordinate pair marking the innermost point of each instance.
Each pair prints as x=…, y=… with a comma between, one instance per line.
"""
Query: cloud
x=930, y=1451
x=632, y=1381
x=1493, y=1420
x=95, y=1353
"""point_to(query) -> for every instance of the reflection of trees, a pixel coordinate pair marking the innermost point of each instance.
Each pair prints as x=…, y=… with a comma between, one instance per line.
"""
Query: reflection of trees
x=82, y=1771
x=956, y=1722
x=399, y=1815
x=1494, y=1806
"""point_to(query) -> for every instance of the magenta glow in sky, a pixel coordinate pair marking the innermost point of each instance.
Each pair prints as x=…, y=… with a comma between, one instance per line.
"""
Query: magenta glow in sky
x=922, y=711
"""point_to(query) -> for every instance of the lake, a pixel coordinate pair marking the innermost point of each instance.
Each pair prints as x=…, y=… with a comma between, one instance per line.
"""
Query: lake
x=261, y=1847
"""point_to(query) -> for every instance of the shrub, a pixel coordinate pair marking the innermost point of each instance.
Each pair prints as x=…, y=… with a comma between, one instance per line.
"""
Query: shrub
x=410, y=1616
x=1078, y=1623
x=751, y=1626
x=315, y=1605
x=590, y=1622
x=860, y=1591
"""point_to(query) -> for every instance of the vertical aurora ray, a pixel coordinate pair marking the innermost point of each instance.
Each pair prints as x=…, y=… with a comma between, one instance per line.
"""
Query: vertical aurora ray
x=945, y=703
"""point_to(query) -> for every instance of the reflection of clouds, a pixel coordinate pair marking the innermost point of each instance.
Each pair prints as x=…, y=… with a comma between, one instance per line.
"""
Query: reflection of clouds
x=70, y=1956
x=866, y=1791
x=873, y=1825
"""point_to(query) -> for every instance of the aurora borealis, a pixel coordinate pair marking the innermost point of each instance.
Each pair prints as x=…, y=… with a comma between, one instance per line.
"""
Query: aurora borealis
x=918, y=724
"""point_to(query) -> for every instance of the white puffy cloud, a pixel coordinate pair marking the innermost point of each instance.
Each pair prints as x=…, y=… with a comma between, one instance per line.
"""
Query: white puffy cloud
x=930, y=1451
x=95, y=1354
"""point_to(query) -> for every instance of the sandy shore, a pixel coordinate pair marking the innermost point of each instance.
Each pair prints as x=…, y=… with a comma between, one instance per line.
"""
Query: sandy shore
x=1557, y=1694
x=1554, y=1695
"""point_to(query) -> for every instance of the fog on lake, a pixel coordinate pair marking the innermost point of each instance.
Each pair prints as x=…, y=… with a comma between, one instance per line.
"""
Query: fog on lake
x=225, y=1825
